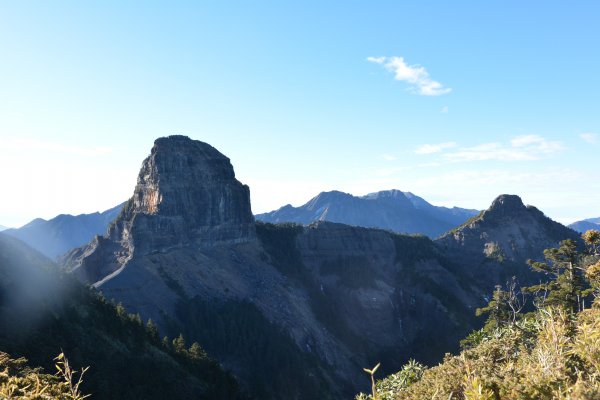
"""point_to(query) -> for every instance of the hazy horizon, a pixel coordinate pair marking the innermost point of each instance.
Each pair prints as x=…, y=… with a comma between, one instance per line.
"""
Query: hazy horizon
x=457, y=103
x=302, y=202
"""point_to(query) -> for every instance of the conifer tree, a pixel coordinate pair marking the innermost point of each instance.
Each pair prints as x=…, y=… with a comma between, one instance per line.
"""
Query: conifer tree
x=505, y=306
x=592, y=240
x=166, y=344
x=567, y=289
x=179, y=344
x=152, y=330
x=121, y=312
x=197, y=352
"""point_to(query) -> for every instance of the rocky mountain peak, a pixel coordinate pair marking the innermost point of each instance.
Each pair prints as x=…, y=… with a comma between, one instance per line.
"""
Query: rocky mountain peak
x=186, y=194
x=392, y=194
x=506, y=205
x=507, y=230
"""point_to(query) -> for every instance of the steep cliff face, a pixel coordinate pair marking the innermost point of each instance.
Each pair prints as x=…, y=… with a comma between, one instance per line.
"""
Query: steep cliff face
x=386, y=295
x=186, y=194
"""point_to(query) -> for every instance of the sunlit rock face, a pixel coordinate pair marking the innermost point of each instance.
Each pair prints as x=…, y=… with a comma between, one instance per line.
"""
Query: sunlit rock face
x=186, y=194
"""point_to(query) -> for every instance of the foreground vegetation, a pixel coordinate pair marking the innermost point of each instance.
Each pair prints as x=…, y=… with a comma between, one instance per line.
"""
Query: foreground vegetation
x=551, y=352
x=18, y=381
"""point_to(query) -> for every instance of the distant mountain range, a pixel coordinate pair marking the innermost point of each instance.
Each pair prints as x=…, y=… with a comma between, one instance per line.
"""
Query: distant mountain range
x=394, y=210
x=64, y=232
x=586, y=225
x=3, y=228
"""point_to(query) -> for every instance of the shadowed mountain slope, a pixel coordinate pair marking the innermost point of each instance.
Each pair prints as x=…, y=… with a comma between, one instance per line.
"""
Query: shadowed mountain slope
x=43, y=313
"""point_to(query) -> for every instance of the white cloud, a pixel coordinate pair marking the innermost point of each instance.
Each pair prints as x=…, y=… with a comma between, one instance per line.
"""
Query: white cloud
x=445, y=110
x=389, y=157
x=377, y=60
x=520, y=148
x=416, y=75
x=434, y=148
x=591, y=138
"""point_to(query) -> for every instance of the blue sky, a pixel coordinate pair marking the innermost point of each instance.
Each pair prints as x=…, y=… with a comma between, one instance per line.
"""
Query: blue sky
x=455, y=101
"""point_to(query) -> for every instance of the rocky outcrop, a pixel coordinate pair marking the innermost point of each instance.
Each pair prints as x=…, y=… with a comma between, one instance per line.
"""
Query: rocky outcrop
x=497, y=243
x=186, y=194
x=397, y=211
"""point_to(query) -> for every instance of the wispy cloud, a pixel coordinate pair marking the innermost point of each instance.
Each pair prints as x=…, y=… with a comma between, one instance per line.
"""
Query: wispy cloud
x=434, y=148
x=469, y=178
x=444, y=110
x=520, y=148
x=416, y=75
x=389, y=157
x=591, y=138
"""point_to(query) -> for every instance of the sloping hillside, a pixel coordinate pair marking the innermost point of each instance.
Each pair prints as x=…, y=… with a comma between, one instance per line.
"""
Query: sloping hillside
x=43, y=313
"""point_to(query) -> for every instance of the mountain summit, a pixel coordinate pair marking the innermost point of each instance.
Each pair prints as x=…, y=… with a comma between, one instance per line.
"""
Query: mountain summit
x=496, y=244
x=186, y=193
x=509, y=228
